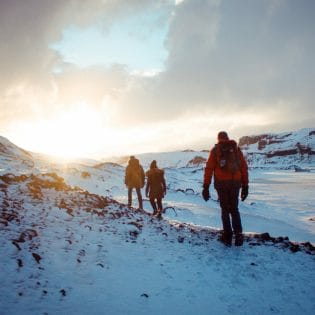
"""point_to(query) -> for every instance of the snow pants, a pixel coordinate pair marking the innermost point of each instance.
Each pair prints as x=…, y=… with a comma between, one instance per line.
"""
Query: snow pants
x=228, y=192
x=138, y=191
x=156, y=204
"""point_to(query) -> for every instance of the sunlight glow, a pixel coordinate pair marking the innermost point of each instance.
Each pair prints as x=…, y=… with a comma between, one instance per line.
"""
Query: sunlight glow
x=76, y=132
x=83, y=131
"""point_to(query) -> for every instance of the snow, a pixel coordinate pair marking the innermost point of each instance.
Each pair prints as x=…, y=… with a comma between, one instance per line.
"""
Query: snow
x=261, y=156
x=96, y=256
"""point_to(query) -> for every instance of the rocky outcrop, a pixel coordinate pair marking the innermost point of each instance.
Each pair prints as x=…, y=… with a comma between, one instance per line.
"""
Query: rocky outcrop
x=285, y=149
x=196, y=161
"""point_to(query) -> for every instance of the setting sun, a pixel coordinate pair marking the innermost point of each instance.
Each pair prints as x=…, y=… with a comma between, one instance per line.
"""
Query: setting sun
x=68, y=134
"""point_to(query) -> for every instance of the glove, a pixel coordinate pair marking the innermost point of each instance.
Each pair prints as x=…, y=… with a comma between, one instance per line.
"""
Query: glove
x=244, y=193
x=205, y=192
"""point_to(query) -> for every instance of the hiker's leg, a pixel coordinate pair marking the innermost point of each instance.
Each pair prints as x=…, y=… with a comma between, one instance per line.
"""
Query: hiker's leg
x=159, y=204
x=235, y=214
x=138, y=190
x=129, y=197
x=153, y=204
x=225, y=215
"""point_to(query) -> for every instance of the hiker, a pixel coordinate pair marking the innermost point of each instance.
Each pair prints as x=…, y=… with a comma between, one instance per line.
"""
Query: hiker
x=155, y=188
x=134, y=178
x=228, y=166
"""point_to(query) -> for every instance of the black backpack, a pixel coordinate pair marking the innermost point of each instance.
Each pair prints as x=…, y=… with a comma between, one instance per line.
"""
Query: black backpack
x=228, y=157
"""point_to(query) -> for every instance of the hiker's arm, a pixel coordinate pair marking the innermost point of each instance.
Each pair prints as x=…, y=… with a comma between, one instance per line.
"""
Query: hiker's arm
x=244, y=170
x=164, y=184
x=142, y=176
x=147, y=187
x=126, y=178
x=209, y=169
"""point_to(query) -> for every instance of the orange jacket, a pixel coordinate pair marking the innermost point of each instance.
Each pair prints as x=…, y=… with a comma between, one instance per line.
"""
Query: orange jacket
x=213, y=168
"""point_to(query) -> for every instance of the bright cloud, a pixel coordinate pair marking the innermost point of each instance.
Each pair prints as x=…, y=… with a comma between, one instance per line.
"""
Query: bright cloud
x=160, y=68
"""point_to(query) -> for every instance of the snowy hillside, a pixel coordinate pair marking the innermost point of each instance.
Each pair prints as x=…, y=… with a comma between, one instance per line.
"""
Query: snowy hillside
x=69, y=244
x=66, y=251
x=284, y=150
x=13, y=156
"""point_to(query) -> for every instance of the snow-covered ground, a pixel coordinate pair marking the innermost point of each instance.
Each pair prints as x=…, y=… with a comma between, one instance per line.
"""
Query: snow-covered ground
x=67, y=247
x=280, y=202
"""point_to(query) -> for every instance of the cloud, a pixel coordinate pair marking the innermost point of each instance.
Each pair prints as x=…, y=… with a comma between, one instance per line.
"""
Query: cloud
x=234, y=56
x=28, y=84
x=225, y=59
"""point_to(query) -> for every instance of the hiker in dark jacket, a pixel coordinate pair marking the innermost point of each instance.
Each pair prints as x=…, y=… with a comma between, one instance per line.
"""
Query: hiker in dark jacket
x=134, y=178
x=156, y=188
x=228, y=166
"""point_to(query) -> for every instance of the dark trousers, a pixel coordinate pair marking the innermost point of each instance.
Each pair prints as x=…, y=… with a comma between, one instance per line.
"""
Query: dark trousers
x=156, y=204
x=138, y=191
x=228, y=193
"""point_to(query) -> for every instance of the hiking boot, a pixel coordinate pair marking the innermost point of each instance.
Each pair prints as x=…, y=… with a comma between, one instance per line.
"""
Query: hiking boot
x=226, y=240
x=239, y=239
x=159, y=214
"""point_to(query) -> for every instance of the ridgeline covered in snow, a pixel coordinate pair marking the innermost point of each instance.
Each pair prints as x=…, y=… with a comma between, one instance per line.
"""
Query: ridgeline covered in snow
x=286, y=150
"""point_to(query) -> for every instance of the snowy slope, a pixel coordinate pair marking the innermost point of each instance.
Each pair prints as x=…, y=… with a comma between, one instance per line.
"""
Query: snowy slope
x=69, y=245
x=14, y=158
x=65, y=251
x=283, y=150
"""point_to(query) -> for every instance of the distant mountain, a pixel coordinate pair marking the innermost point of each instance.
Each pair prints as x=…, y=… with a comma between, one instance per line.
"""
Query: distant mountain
x=175, y=159
x=285, y=150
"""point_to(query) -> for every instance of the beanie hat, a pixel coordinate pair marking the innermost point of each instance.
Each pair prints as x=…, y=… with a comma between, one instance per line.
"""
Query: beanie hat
x=153, y=164
x=222, y=135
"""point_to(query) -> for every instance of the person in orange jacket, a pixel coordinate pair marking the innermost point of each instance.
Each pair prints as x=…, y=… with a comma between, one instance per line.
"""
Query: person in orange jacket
x=228, y=166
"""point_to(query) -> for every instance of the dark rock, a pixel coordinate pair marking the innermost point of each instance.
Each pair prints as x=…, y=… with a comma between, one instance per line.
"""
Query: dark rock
x=14, y=242
x=265, y=237
x=309, y=246
x=282, y=153
x=37, y=257
x=294, y=248
x=136, y=224
x=63, y=292
x=197, y=160
x=134, y=234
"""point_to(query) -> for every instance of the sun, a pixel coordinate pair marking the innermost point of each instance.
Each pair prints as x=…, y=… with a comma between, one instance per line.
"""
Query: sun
x=70, y=133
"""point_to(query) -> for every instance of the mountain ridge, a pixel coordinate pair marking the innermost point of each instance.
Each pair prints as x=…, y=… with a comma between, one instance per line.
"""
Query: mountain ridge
x=279, y=150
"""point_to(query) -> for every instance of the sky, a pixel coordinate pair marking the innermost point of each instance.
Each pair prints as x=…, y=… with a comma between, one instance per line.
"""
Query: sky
x=100, y=78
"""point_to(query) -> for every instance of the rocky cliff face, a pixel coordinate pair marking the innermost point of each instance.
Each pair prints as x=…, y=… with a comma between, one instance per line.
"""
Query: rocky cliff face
x=286, y=150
